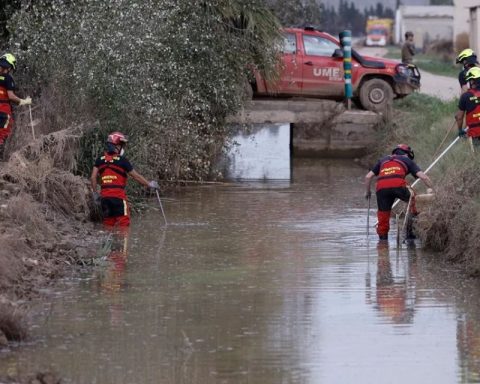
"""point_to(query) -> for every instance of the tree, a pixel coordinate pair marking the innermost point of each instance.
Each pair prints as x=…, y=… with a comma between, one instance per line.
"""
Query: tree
x=7, y=8
x=167, y=72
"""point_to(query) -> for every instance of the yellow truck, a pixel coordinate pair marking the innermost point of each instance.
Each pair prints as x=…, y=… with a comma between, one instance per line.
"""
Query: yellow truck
x=379, y=32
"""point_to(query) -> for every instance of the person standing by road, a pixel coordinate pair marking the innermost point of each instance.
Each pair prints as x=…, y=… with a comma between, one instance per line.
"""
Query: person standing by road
x=391, y=184
x=469, y=105
x=113, y=168
x=408, y=48
x=7, y=96
x=468, y=59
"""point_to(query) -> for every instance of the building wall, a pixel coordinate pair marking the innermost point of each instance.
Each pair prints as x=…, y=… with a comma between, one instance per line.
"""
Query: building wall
x=475, y=29
x=427, y=30
x=461, y=22
x=428, y=23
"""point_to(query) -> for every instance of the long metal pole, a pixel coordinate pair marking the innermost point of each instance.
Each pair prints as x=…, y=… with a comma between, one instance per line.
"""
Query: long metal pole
x=161, y=206
x=368, y=217
x=431, y=165
x=407, y=212
x=31, y=121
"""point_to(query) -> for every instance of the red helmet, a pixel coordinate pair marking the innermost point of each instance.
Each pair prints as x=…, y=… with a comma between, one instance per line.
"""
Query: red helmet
x=117, y=138
x=403, y=149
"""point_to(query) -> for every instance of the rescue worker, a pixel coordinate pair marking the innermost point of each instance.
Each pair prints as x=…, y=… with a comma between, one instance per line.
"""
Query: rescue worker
x=469, y=104
x=408, y=48
x=391, y=172
x=114, y=168
x=468, y=59
x=7, y=96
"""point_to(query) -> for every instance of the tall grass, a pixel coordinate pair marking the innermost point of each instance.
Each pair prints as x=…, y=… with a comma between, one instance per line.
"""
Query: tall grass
x=438, y=64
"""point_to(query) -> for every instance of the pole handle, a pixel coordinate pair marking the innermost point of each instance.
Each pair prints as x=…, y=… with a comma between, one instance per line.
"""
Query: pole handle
x=31, y=121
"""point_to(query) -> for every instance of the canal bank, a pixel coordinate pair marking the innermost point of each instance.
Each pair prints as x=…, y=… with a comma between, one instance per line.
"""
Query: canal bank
x=259, y=282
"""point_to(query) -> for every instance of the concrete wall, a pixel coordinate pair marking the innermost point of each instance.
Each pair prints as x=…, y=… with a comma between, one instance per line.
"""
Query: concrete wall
x=320, y=128
x=347, y=135
x=461, y=23
x=475, y=29
x=428, y=23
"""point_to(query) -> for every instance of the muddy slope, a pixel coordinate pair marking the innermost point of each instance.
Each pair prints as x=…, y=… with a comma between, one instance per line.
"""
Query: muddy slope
x=45, y=223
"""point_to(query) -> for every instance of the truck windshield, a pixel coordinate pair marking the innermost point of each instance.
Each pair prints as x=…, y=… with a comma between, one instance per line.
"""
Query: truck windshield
x=318, y=46
x=377, y=32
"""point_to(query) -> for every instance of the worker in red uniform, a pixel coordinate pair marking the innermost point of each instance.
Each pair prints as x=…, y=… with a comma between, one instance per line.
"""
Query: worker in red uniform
x=113, y=169
x=469, y=105
x=7, y=95
x=391, y=184
x=468, y=59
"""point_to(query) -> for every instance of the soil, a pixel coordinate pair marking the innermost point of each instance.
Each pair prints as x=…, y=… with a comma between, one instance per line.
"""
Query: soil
x=45, y=212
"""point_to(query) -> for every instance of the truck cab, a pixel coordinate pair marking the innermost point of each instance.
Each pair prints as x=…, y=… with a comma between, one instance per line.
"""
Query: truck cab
x=312, y=66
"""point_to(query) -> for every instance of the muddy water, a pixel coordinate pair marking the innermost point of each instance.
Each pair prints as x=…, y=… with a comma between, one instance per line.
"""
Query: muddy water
x=260, y=283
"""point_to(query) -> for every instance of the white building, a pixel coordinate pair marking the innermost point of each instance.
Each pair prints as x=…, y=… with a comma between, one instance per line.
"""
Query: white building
x=467, y=21
x=428, y=23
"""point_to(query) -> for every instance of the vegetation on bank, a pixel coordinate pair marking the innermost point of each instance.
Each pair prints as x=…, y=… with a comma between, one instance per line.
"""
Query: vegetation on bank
x=439, y=61
x=451, y=224
x=165, y=72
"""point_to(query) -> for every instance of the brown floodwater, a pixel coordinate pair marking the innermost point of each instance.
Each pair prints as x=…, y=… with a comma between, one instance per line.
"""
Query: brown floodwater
x=259, y=282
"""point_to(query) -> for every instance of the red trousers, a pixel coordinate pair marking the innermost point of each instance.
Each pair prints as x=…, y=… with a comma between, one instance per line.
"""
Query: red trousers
x=385, y=199
x=115, y=212
x=6, y=121
x=121, y=221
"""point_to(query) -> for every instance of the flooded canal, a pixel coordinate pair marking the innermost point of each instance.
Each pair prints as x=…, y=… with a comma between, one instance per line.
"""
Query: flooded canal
x=262, y=283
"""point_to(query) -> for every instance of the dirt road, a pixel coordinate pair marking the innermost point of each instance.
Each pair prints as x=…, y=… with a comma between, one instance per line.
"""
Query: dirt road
x=443, y=87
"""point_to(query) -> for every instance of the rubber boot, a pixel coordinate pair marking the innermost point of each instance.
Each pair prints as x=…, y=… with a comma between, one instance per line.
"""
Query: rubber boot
x=383, y=224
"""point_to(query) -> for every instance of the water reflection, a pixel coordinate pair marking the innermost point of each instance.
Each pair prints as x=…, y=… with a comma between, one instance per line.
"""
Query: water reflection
x=395, y=287
x=111, y=279
x=262, y=152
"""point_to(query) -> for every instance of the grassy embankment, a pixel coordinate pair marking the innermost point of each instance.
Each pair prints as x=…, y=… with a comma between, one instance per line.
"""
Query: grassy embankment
x=451, y=224
x=433, y=63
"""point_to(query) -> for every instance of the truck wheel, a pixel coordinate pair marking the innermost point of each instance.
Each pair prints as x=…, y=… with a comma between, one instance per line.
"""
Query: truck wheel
x=375, y=95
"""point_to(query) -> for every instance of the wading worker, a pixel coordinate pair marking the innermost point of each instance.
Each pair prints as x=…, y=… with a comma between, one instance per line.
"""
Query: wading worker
x=113, y=169
x=468, y=59
x=391, y=184
x=8, y=96
x=469, y=104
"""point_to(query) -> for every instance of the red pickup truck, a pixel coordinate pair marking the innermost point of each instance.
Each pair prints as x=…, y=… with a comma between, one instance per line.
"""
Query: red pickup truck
x=312, y=66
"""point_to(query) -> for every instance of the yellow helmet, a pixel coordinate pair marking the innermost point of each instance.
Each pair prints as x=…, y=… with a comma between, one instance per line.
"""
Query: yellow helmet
x=465, y=54
x=9, y=59
x=473, y=74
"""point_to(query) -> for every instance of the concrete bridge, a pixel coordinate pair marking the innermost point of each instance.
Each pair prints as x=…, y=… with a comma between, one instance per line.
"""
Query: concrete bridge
x=319, y=128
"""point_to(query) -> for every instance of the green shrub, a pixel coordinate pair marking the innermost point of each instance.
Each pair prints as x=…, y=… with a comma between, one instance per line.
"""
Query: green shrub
x=166, y=72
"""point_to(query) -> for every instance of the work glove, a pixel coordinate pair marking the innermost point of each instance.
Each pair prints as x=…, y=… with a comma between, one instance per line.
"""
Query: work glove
x=368, y=195
x=96, y=198
x=26, y=101
x=153, y=184
x=462, y=132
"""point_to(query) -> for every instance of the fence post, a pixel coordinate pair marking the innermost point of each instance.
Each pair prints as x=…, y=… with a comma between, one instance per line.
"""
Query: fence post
x=346, y=41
